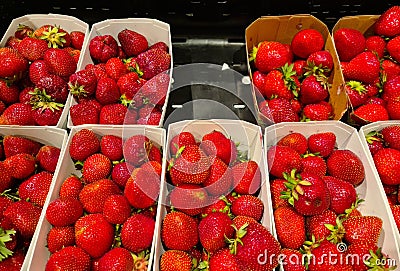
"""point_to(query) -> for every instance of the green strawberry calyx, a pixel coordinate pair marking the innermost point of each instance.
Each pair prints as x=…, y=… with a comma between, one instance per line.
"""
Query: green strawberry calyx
x=294, y=186
x=41, y=100
x=5, y=236
x=77, y=90
x=317, y=70
x=357, y=86
x=373, y=136
x=240, y=233
x=287, y=76
x=141, y=260
x=378, y=261
x=54, y=37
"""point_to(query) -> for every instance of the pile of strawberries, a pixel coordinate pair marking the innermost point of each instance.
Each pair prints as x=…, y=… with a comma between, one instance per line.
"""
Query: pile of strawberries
x=384, y=146
x=292, y=79
x=313, y=187
x=214, y=222
x=35, y=66
x=26, y=173
x=370, y=64
x=105, y=217
x=127, y=83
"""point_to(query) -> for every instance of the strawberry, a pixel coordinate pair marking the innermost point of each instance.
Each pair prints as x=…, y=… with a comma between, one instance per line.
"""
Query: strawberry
x=248, y=205
x=13, y=144
x=32, y=49
x=113, y=114
x=93, y=195
x=132, y=43
x=396, y=214
x=349, y=43
x=142, y=188
x=117, y=259
x=23, y=31
x=107, y=91
x=116, y=209
x=299, y=65
x=71, y=187
x=56, y=36
x=115, y=68
x=279, y=110
x=60, y=62
x=319, y=252
x=357, y=93
x=313, y=90
x=376, y=44
x=9, y=94
x=322, y=143
x=24, y=216
x=362, y=250
x=17, y=114
x=213, y=229
x=216, y=143
x=120, y=174
x=82, y=83
x=37, y=70
x=129, y=84
x=102, y=48
x=59, y=237
x=292, y=260
x=69, y=258
x=6, y=179
x=224, y=260
x=278, y=186
x=391, y=135
x=346, y=165
x=54, y=86
x=390, y=69
x=48, y=115
x=342, y=194
x=393, y=109
x=281, y=83
x=84, y=113
x=12, y=42
x=388, y=23
x=64, y=212
x=77, y=38
x=35, y=188
x=219, y=180
x=189, y=199
x=96, y=167
x=135, y=149
x=296, y=141
x=318, y=111
x=47, y=157
x=240, y=221
x=21, y=165
x=246, y=177
x=111, y=146
x=362, y=228
x=153, y=62
x=91, y=101
x=181, y=140
x=12, y=64
x=364, y=67
x=393, y=48
x=316, y=225
x=319, y=63
x=137, y=233
x=282, y=159
x=314, y=164
x=179, y=231
x=83, y=144
x=390, y=89
x=288, y=236
x=307, y=41
x=217, y=205
x=270, y=55
x=387, y=164
x=370, y=113
x=172, y=260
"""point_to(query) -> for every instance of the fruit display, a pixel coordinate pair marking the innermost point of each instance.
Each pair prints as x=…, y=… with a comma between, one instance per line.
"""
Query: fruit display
x=295, y=73
x=322, y=180
x=124, y=77
x=216, y=212
x=38, y=54
x=103, y=206
x=28, y=162
x=368, y=50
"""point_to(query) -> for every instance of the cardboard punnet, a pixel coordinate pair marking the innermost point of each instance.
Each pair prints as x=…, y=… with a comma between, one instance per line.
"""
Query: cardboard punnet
x=282, y=29
x=154, y=31
x=377, y=126
x=250, y=138
x=40, y=253
x=48, y=136
x=69, y=23
x=370, y=190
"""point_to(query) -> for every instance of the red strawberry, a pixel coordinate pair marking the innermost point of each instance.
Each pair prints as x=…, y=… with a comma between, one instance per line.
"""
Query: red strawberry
x=116, y=209
x=137, y=233
x=133, y=43
x=48, y=157
x=313, y=90
x=102, y=48
x=32, y=49
x=181, y=140
x=23, y=31
x=349, y=43
x=113, y=114
x=357, y=93
x=24, y=216
x=217, y=205
x=59, y=237
x=292, y=260
x=393, y=48
x=370, y=113
x=47, y=115
x=307, y=41
x=9, y=94
x=118, y=259
x=391, y=135
x=376, y=44
x=12, y=42
x=77, y=38
x=246, y=177
x=107, y=91
x=316, y=225
x=278, y=186
x=82, y=83
x=364, y=67
x=314, y=164
x=278, y=110
x=224, y=260
x=248, y=205
x=135, y=149
x=17, y=114
x=12, y=64
x=362, y=228
x=69, y=258
x=318, y=111
x=153, y=62
x=269, y=55
x=296, y=141
x=390, y=69
x=289, y=236
x=179, y=231
x=71, y=187
x=219, y=180
x=121, y=173
x=172, y=260
x=84, y=113
x=393, y=109
x=111, y=146
x=388, y=23
x=342, y=194
x=37, y=70
x=217, y=144
x=13, y=144
x=396, y=214
x=281, y=83
x=189, y=199
x=282, y=159
x=21, y=165
x=387, y=163
x=56, y=36
x=115, y=68
x=319, y=252
x=346, y=165
x=391, y=89
x=320, y=63
x=322, y=143
x=129, y=84
x=93, y=195
x=362, y=251
x=36, y=188
x=6, y=179
x=60, y=62
x=299, y=66
x=64, y=212
x=83, y=144
x=96, y=167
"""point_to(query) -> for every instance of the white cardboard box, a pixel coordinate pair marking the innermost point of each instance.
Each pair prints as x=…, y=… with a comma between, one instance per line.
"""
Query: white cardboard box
x=154, y=31
x=250, y=138
x=69, y=23
x=46, y=135
x=371, y=189
x=40, y=253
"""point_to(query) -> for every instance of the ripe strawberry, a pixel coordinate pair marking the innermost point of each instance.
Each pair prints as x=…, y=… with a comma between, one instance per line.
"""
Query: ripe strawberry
x=12, y=64
x=224, y=260
x=364, y=67
x=9, y=94
x=94, y=234
x=388, y=23
x=129, y=84
x=313, y=90
x=82, y=83
x=71, y=187
x=117, y=259
x=217, y=144
x=59, y=237
x=121, y=173
x=14, y=144
x=393, y=109
x=370, y=113
x=48, y=115
x=307, y=41
x=319, y=252
x=288, y=236
x=12, y=42
x=84, y=113
x=299, y=65
x=64, y=212
x=189, y=199
x=107, y=91
x=376, y=44
x=48, y=157
x=248, y=205
x=342, y=194
x=55, y=36
x=115, y=68
x=133, y=43
x=96, y=167
x=278, y=110
x=270, y=55
x=24, y=216
x=319, y=111
x=213, y=229
x=153, y=62
x=390, y=89
x=25, y=95
x=278, y=186
x=349, y=43
x=135, y=149
x=292, y=260
x=17, y=114
x=111, y=146
x=60, y=62
x=362, y=250
x=102, y=48
x=282, y=159
x=20, y=165
x=37, y=70
x=137, y=233
x=113, y=114
x=179, y=231
x=314, y=164
x=77, y=38
x=391, y=136
x=322, y=143
x=362, y=228
x=36, y=188
x=357, y=93
x=172, y=260
x=32, y=48
x=93, y=195
x=246, y=177
x=69, y=258
x=390, y=69
x=319, y=63
x=346, y=165
x=6, y=179
x=23, y=31
x=281, y=83
x=219, y=180
x=116, y=209
x=316, y=225
x=387, y=163
x=396, y=214
x=83, y=144
x=181, y=140
x=296, y=141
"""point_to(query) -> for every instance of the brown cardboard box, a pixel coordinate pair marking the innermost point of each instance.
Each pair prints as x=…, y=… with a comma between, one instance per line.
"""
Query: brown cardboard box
x=282, y=29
